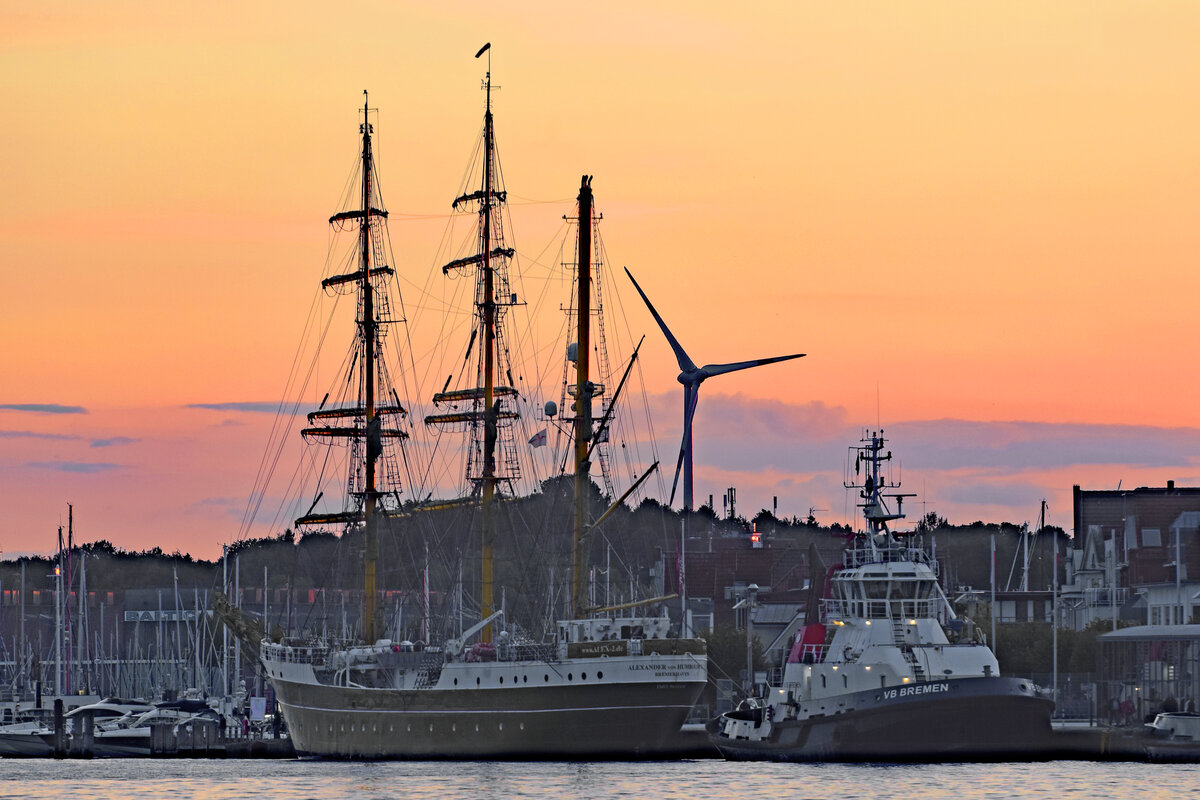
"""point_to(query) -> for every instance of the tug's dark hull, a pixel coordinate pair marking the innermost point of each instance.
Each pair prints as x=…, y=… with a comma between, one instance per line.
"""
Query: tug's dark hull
x=968, y=719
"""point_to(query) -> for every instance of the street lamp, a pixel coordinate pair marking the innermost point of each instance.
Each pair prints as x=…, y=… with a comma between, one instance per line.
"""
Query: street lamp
x=749, y=602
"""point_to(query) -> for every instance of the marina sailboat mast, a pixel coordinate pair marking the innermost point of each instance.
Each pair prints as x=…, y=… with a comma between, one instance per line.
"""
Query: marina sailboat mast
x=487, y=410
x=358, y=418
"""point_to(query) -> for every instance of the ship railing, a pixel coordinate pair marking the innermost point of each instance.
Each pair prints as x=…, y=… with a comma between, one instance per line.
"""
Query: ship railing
x=430, y=670
x=862, y=554
x=294, y=654
x=833, y=609
x=529, y=652
x=813, y=653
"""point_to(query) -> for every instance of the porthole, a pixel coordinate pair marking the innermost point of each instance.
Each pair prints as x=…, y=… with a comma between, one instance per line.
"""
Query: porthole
x=500, y=726
x=583, y=676
x=502, y=679
x=431, y=727
x=456, y=681
x=599, y=676
x=410, y=727
x=453, y=727
x=477, y=727
x=525, y=679
x=547, y=679
x=522, y=726
x=570, y=676
x=477, y=681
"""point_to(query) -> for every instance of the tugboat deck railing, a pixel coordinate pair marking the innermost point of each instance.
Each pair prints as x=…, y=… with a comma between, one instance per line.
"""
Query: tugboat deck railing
x=837, y=609
x=862, y=554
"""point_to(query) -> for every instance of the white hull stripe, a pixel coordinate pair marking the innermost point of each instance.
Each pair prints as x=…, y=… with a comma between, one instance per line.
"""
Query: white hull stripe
x=570, y=710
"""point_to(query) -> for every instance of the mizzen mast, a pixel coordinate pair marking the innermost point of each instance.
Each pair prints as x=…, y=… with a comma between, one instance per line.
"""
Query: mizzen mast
x=583, y=399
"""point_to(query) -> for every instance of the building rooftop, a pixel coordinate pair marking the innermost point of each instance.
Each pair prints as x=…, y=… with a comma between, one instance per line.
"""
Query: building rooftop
x=1152, y=632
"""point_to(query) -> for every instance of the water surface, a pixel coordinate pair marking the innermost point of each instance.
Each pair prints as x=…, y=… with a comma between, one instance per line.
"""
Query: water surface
x=133, y=779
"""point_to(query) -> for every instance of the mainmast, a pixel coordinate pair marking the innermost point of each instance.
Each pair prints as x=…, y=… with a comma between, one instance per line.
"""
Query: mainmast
x=360, y=421
x=486, y=409
x=583, y=398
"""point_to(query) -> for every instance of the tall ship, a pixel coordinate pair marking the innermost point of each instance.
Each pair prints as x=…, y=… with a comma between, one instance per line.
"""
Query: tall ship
x=876, y=677
x=604, y=685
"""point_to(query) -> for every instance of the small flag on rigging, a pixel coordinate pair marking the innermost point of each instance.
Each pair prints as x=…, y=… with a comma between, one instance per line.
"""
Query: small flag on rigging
x=538, y=439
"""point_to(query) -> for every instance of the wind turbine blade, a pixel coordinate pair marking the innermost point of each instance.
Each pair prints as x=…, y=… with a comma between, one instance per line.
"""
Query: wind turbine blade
x=678, y=466
x=685, y=363
x=708, y=370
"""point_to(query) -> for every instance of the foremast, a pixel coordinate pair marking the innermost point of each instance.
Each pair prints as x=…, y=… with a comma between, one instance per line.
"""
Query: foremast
x=360, y=421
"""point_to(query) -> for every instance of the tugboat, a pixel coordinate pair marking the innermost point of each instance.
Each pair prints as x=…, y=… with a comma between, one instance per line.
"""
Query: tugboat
x=877, y=678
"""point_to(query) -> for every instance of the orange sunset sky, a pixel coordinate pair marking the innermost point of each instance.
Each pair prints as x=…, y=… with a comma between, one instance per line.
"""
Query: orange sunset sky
x=978, y=220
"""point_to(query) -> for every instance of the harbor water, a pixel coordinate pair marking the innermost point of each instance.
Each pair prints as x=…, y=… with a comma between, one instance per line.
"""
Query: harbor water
x=130, y=779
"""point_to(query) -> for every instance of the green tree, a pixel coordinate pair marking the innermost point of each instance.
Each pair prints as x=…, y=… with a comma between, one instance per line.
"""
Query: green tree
x=727, y=652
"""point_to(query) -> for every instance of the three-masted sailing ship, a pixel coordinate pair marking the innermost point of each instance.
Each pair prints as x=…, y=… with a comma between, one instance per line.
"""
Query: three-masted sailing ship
x=603, y=686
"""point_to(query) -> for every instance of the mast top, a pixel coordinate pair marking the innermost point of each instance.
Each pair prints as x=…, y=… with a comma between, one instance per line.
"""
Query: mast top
x=487, y=79
x=366, y=126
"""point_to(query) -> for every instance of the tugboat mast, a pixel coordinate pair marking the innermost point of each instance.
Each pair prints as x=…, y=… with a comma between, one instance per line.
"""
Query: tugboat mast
x=869, y=452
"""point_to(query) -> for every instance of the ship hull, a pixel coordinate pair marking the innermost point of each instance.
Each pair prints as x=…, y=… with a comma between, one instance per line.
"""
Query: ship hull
x=602, y=707
x=552, y=722
x=968, y=719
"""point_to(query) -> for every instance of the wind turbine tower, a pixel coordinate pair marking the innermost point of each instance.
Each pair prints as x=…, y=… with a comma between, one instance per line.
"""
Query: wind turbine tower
x=691, y=377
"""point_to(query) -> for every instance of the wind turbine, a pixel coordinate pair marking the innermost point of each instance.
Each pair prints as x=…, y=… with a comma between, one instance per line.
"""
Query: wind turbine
x=691, y=377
